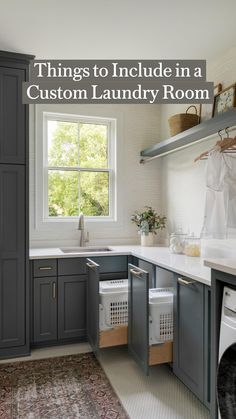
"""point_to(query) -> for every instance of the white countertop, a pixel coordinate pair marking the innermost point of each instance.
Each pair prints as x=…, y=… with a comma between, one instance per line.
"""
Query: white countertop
x=222, y=264
x=192, y=267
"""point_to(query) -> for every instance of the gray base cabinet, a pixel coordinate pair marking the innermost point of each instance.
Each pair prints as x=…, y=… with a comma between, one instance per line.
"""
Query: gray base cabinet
x=59, y=302
x=138, y=331
x=191, y=336
x=63, y=297
x=45, y=309
x=93, y=304
x=71, y=306
x=144, y=353
x=99, y=269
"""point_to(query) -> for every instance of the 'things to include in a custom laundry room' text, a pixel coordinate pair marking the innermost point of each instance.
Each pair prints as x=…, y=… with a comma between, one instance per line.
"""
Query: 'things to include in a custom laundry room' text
x=118, y=81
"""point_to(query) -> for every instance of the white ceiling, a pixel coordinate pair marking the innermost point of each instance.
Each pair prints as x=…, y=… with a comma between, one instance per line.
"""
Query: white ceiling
x=118, y=28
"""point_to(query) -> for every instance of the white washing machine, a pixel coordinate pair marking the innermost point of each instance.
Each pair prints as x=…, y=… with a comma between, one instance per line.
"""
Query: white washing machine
x=226, y=377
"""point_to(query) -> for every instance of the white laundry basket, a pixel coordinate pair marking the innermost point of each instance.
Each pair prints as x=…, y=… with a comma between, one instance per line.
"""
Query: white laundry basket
x=113, y=307
x=160, y=315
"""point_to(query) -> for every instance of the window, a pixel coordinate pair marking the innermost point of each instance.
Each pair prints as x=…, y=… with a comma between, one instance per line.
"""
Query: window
x=79, y=167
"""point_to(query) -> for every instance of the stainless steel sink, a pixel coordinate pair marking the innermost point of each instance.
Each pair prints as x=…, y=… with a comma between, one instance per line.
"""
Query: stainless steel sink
x=85, y=249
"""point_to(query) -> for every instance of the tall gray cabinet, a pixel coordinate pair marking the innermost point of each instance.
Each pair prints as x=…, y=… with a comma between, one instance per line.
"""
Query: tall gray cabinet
x=14, y=287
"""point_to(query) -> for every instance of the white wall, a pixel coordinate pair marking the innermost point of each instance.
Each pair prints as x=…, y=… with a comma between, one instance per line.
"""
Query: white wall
x=138, y=128
x=183, y=182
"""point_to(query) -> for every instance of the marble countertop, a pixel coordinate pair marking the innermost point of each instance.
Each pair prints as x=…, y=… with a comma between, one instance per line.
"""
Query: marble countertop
x=226, y=265
x=191, y=267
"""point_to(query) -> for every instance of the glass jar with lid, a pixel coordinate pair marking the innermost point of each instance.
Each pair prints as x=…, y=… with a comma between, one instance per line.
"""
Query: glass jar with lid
x=192, y=246
x=177, y=242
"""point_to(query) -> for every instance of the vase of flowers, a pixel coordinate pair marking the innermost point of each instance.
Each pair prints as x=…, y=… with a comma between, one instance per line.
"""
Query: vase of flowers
x=148, y=222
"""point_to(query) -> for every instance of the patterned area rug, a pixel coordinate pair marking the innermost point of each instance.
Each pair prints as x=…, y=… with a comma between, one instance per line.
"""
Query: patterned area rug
x=67, y=387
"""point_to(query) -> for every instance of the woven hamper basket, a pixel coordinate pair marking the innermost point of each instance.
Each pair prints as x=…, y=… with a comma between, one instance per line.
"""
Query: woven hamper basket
x=182, y=121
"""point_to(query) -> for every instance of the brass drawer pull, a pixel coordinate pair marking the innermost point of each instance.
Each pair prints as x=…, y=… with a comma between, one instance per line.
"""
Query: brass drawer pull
x=45, y=268
x=92, y=264
x=185, y=282
x=54, y=290
x=136, y=273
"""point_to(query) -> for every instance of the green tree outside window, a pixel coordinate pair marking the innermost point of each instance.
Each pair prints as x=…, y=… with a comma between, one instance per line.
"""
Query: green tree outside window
x=74, y=146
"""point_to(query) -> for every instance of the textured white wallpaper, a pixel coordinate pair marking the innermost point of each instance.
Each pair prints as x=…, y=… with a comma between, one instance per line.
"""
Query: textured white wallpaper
x=183, y=185
x=139, y=127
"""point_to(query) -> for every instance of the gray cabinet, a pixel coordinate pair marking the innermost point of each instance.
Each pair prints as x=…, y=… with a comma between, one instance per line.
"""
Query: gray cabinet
x=74, y=309
x=12, y=256
x=99, y=269
x=191, y=336
x=71, y=306
x=144, y=353
x=93, y=304
x=12, y=116
x=59, y=301
x=45, y=309
x=14, y=280
x=45, y=267
x=207, y=346
x=138, y=331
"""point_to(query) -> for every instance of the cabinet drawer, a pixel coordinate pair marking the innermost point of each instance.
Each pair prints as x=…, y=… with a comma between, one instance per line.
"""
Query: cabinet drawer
x=72, y=266
x=45, y=267
x=109, y=264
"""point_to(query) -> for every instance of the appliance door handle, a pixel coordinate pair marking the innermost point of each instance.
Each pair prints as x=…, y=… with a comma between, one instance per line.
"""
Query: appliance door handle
x=185, y=281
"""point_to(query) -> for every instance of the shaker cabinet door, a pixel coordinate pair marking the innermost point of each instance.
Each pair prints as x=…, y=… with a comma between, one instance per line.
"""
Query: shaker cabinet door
x=93, y=304
x=138, y=329
x=12, y=256
x=71, y=306
x=45, y=309
x=188, y=362
x=12, y=116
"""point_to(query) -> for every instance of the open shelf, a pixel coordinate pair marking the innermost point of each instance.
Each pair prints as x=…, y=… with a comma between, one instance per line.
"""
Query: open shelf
x=192, y=135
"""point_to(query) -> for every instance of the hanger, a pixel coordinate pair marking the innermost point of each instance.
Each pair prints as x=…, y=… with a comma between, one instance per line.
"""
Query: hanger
x=224, y=145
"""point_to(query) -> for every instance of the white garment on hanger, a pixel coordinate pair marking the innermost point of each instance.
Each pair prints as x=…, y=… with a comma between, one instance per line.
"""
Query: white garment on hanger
x=220, y=205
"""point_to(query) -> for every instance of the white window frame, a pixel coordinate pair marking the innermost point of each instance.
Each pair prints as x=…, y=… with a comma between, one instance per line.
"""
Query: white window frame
x=111, y=124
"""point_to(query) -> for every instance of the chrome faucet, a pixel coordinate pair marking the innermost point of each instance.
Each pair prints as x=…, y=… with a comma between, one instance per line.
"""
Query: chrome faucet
x=83, y=239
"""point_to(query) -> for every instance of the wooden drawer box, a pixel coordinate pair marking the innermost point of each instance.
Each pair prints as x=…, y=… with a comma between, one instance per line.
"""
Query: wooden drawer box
x=161, y=354
x=158, y=354
x=114, y=337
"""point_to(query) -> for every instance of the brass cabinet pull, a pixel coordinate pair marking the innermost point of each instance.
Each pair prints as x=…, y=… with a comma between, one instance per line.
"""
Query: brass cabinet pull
x=92, y=264
x=185, y=282
x=136, y=273
x=45, y=268
x=54, y=290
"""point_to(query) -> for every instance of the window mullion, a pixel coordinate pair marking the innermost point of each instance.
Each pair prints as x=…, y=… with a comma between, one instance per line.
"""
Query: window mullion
x=76, y=168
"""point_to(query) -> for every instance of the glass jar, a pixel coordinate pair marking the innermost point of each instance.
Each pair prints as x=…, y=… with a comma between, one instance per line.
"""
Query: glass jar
x=192, y=246
x=177, y=242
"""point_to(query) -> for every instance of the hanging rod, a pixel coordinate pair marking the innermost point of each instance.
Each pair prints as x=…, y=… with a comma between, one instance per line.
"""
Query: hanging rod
x=148, y=159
